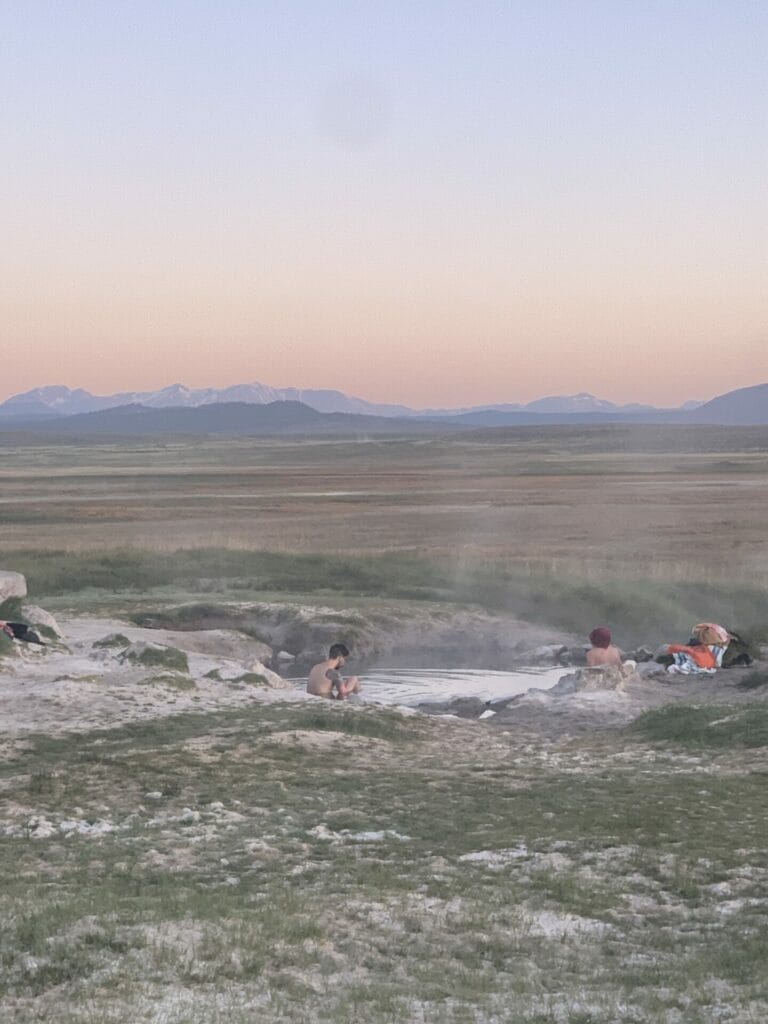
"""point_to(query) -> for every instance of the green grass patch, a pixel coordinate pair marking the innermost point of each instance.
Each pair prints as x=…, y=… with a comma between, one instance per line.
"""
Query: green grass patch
x=173, y=681
x=157, y=656
x=718, y=726
x=754, y=680
x=11, y=610
x=250, y=679
x=112, y=641
x=375, y=723
x=640, y=608
x=7, y=646
x=239, y=876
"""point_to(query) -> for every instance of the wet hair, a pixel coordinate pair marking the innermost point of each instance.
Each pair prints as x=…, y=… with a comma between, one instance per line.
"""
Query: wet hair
x=338, y=651
x=600, y=637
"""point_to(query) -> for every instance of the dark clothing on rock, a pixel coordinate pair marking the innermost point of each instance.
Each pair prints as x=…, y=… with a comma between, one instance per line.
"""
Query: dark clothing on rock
x=21, y=631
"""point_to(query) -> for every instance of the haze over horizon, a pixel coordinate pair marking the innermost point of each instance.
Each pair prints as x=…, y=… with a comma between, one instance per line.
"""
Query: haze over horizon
x=429, y=204
x=269, y=385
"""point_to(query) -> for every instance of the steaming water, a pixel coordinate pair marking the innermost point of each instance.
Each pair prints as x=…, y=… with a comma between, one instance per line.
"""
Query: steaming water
x=417, y=686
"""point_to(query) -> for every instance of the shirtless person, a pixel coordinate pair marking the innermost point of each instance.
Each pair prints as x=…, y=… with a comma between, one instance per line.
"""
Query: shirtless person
x=603, y=652
x=325, y=678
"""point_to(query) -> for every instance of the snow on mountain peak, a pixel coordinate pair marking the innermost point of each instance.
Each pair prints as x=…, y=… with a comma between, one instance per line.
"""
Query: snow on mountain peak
x=61, y=400
x=582, y=402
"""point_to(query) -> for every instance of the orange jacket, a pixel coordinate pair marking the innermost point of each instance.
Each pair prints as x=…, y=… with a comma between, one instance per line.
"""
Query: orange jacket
x=703, y=655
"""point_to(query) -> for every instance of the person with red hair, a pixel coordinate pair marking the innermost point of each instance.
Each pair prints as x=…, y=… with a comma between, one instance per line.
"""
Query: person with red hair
x=603, y=652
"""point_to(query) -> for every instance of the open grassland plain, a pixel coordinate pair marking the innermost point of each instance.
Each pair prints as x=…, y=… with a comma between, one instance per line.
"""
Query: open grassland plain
x=289, y=863
x=650, y=528
x=284, y=861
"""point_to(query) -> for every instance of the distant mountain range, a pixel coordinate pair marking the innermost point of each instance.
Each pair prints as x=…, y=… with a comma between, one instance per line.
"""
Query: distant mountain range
x=259, y=409
x=58, y=400
x=219, y=418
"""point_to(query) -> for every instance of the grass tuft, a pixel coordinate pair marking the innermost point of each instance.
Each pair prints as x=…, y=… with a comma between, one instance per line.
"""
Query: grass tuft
x=11, y=610
x=172, y=680
x=246, y=879
x=754, y=680
x=250, y=678
x=715, y=726
x=376, y=724
x=113, y=640
x=157, y=656
x=7, y=646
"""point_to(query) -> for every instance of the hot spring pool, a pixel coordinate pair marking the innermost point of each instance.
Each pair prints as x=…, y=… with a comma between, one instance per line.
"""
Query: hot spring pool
x=416, y=686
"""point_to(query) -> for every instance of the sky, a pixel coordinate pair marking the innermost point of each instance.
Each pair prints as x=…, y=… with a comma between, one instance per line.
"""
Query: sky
x=417, y=202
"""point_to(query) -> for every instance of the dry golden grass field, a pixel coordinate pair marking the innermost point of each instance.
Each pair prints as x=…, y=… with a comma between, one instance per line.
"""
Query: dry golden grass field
x=653, y=502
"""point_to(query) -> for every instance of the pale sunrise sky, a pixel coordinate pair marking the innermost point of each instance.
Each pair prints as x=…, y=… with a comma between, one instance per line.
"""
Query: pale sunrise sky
x=419, y=202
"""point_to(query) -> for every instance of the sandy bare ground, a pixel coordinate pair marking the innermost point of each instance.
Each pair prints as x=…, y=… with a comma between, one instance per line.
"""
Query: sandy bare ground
x=280, y=858
x=187, y=872
x=78, y=687
x=561, y=717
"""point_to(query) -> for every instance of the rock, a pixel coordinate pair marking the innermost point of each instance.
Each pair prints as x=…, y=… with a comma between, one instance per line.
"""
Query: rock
x=533, y=696
x=461, y=707
x=662, y=655
x=547, y=654
x=40, y=828
x=285, y=657
x=272, y=679
x=576, y=656
x=565, y=686
x=218, y=643
x=607, y=677
x=604, y=677
x=155, y=656
x=37, y=616
x=12, y=584
x=391, y=637
x=641, y=654
x=649, y=669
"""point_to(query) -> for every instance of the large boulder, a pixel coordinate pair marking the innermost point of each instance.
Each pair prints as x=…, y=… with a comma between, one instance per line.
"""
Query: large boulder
x=546, y=654
x=218, y=643
x=602, y=677
x=640, y=655
x=12, y=584
x=37, y=616
x=575, y=656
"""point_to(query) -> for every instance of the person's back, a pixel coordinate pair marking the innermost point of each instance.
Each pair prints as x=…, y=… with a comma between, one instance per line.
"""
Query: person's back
x=603, y=651
x=603, y=656
x=322, y=678
x=325, y=677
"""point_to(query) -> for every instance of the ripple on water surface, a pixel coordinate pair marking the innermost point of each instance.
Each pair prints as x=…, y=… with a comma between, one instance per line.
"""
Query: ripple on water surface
x=416, y=686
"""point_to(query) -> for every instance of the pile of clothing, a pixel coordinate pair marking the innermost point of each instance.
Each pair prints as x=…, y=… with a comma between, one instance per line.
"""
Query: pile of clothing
x=703, y=654
x=20, y=631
